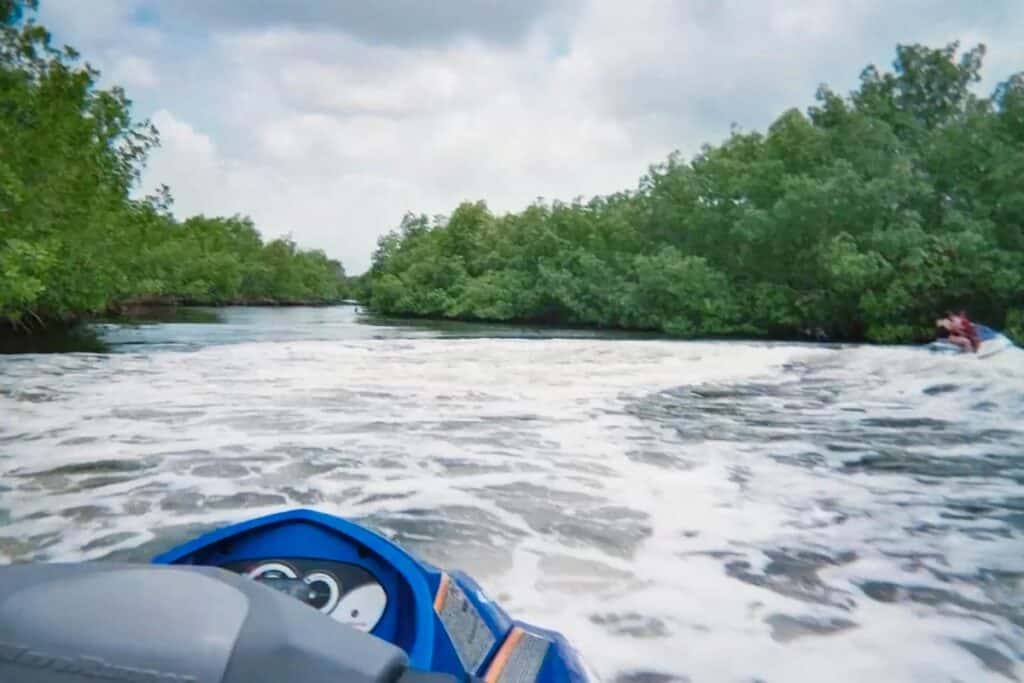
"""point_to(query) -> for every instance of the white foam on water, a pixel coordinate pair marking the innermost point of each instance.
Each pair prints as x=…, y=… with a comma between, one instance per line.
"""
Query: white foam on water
x=731, y=534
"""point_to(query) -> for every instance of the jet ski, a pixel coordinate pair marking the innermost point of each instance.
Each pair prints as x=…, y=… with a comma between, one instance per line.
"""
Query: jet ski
x=992, y=342
x=298, y=596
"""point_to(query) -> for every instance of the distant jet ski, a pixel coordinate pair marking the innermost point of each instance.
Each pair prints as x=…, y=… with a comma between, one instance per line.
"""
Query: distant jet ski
x=992, y=342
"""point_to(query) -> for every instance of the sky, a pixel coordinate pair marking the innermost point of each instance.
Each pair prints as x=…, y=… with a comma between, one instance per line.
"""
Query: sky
x=330, y=119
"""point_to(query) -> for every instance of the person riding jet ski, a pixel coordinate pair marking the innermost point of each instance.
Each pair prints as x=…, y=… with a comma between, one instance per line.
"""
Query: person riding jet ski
x=958, y=329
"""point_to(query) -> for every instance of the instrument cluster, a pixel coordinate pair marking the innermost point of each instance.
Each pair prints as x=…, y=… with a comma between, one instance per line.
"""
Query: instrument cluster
x=346, y=592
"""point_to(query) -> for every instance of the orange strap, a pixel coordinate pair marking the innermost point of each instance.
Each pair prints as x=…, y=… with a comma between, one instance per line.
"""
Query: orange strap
x=442, y=593
x=501, y=659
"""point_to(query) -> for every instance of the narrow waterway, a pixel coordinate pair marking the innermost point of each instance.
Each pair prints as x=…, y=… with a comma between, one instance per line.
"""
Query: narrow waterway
x=682, y=511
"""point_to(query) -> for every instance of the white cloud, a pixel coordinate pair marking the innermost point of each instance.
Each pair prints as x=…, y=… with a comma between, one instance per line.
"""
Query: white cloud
x=185, y=153
x=132, y=72
x=396, y=22
x=331, y=130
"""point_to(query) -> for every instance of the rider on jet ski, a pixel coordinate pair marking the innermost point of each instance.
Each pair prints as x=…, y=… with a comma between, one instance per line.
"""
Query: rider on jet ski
x=960, y=331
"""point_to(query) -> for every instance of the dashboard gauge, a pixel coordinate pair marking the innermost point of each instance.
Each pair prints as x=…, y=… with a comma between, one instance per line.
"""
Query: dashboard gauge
x=324, y=591
x=272, y=570
x=348, y=593
x=362, y=607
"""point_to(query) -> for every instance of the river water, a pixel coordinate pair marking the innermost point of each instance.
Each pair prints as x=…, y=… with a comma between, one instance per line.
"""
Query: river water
x=713, y=511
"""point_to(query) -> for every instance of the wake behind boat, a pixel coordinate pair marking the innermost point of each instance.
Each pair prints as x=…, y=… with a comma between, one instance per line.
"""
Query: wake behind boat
x=298, y=596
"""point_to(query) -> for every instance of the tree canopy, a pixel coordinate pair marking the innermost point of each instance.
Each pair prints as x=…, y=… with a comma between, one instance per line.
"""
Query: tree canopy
x=862, y=217
x=72, y=238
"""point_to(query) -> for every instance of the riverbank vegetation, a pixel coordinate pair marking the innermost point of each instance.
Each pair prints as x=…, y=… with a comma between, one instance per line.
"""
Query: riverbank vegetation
x=73, y=241
x=863, y=217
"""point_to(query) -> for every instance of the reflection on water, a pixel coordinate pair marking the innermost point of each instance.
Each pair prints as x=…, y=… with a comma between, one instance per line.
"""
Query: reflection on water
x=58, y=340
x=192, y=327
x=102, y=335
x=682, y=511
x=141, y=315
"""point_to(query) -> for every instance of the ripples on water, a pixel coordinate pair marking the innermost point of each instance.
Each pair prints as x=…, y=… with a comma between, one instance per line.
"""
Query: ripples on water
x=683, y=511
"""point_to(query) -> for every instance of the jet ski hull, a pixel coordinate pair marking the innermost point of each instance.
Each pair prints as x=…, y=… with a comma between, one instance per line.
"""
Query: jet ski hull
x=442, y=620
x=992, y=342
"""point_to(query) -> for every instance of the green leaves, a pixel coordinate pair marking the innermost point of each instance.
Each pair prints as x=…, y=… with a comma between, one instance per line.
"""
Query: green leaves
x=681, y=295
x=72, y=239
x=864, y=219
x=24, y=271
x=1015, y=325
x=851, y=271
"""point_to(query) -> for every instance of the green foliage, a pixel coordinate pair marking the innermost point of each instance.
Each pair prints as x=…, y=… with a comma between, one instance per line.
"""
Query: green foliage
x=71, y=238
x=1015, y=325
x=681, y=295
x=862, y=219
x=26, y=268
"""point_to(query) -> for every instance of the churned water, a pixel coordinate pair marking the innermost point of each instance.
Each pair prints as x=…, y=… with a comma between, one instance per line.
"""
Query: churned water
x=682, y=511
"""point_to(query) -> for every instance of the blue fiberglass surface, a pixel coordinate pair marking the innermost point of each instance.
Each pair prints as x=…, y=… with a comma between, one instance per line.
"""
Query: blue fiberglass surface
x=494, y=616
x=495, y=619
x=409, y=618
x=985, y=333
x=561, y=664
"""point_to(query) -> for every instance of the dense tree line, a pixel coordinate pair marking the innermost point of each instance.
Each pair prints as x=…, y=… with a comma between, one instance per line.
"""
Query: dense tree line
x=73, y=241
x=862, y=218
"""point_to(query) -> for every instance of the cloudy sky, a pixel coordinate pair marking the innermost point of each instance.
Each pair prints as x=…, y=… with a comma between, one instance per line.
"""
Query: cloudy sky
x=329, y=119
